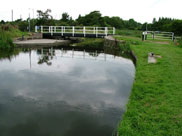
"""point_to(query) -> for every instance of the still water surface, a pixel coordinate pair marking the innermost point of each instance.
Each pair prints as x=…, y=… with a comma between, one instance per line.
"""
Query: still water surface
x=55, y=92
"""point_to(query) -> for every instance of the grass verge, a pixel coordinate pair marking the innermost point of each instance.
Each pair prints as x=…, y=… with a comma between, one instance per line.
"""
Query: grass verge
x=155, y=103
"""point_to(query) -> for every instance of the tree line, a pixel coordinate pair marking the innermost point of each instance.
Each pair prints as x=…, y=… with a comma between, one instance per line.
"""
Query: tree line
x=95, y=18
x=165, y=24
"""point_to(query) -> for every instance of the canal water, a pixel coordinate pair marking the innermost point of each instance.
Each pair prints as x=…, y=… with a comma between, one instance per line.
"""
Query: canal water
x=58, y=92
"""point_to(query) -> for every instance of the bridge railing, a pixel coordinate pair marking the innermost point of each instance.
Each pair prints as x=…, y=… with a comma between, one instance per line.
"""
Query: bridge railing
x=76, y=30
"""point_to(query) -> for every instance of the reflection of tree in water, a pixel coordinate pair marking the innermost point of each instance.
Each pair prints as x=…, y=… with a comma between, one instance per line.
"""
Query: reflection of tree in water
x=45, y=59
x=9, y=54
x=112, y=51
x=46, y=55
x=94, y=54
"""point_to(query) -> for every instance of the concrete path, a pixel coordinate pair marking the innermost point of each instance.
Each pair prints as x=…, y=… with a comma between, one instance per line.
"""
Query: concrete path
x=41, y=42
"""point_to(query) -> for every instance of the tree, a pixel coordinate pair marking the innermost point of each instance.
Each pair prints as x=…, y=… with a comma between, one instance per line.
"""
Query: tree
x=44, y=18
x=92, y=19
x=2, y=22
x=23, y=25
x=176, y=27
x=44, y=15
x=154, y=21
x=65, y=17
x=116, y=22
x=132, y=24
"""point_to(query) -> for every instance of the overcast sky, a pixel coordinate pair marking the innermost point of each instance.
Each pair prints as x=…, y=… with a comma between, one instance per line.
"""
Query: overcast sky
x=141, y=10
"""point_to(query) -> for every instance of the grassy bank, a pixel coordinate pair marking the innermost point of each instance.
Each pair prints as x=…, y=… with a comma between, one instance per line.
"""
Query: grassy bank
x=155, y=104
x=5, y=40
x=7, y=33
x=91, y=43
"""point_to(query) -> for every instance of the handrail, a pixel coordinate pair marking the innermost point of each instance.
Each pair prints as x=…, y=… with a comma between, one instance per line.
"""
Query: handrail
x=76, y=30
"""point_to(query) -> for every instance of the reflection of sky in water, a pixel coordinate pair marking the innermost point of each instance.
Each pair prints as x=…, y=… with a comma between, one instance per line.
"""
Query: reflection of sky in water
x=72, y=96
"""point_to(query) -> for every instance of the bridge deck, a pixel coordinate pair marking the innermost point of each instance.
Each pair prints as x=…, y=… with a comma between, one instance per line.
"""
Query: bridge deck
x=75, y=31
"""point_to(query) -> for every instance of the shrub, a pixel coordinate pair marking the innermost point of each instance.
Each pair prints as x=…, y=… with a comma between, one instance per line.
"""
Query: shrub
x=5, y=38
x=180, y=42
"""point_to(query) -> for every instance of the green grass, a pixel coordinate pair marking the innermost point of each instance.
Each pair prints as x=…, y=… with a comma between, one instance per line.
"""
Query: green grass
x=5, y=40
x=7, y=33
x=155, y=104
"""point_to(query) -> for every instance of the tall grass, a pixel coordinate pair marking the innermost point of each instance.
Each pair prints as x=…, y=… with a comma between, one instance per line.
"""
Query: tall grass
x=5, y=40
x=7, y=33
x=180, y=42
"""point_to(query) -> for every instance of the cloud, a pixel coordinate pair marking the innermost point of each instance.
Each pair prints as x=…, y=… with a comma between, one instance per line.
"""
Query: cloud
x=140, y=10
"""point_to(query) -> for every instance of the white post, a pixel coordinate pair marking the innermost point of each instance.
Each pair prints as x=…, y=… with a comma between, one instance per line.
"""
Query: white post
x=114, y=30
x=94, y=30
x=62, y=30
x=106, y=31
x=73, y=31
x=36, y=29
x=84, y=31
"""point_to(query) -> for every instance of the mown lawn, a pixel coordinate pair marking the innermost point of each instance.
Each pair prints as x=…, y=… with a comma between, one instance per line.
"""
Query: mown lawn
x=155, y=103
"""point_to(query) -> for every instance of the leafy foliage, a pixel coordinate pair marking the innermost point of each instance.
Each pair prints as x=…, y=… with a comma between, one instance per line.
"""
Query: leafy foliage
x=95, y=19
x=7, y=33
x=44, y=18
x=165, y=24
x=5, y=40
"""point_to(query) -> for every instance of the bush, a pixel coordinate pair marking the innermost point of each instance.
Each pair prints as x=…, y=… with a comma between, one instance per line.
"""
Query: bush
x=7, y=32
x=179, y=42
x=5, y=40
x=23, y=26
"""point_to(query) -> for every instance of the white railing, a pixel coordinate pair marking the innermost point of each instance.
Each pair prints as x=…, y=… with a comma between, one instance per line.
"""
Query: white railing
x=76, y=30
